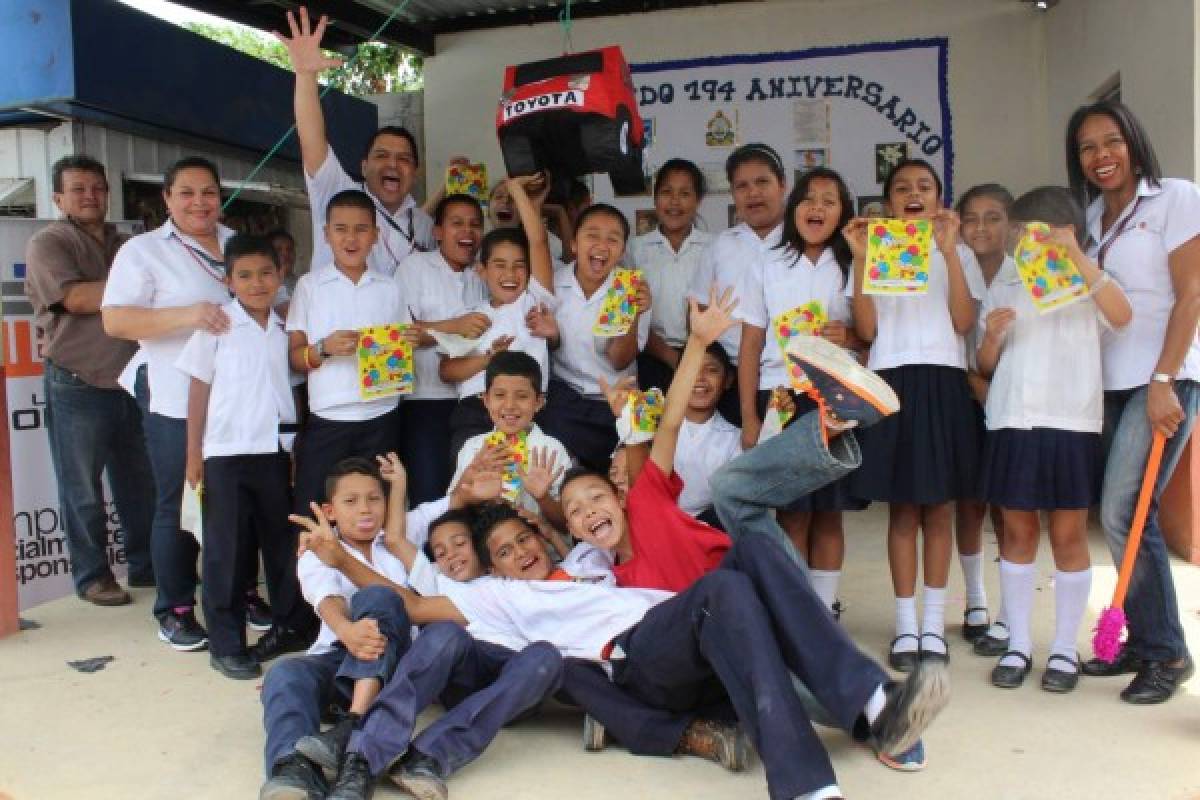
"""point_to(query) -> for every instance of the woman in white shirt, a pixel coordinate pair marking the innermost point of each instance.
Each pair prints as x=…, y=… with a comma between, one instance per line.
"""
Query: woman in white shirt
x=164, y=285
x=1145, y=232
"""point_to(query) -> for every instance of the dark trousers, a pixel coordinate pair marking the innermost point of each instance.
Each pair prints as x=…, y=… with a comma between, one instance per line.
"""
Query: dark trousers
x=246, y=503
x=425, y=447
x=483, y=685
x=93, y=431
x=585, y=425
x=297, y=689
x=747, y=625
x=325, y=442
x=470, y=418
x=653, y=373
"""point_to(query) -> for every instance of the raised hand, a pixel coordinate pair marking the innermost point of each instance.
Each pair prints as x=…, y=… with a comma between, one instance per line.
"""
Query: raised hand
x=500, y=344
x=391, y=469
x=541, y=323
x=855, y=234
x=715, y=319
x=945, y=229
x=617, y=394
x=304, y=45
x=541, y=472
x=318, y=538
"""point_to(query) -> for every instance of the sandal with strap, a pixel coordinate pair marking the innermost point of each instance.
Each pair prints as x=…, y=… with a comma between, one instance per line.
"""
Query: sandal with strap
x=1005, y=676
x=1060, y=681
x=941, y=657
x=974, y=632
x=904, y=661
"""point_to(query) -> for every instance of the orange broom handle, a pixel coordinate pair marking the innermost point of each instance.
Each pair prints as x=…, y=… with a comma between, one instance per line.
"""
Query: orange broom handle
x=1139, y=519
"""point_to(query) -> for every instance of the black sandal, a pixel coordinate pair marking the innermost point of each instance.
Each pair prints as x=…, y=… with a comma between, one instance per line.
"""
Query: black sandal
x=933, y=655
x=906, y=661
x=1060, y=681
x=1009, y=677
x=988, y=645
x=973, y=633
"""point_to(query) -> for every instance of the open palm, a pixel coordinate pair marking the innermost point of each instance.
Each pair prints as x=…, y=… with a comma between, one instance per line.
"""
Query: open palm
x=304, y=45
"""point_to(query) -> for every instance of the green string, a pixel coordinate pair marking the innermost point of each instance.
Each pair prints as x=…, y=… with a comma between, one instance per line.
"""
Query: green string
x=328, y=87
x=564, y=19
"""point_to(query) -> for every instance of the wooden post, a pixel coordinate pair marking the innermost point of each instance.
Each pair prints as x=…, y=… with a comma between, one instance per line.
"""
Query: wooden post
x=9, y=622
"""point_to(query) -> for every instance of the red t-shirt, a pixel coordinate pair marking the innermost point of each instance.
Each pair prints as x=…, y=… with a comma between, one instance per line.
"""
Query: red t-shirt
x=671, y=548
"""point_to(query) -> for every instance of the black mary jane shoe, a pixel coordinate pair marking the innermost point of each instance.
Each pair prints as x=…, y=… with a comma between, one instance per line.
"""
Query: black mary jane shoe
x=1060, y=681
x=1127, y=662
x=973, y=633
x=906, y=661
x=1009, y=677
x=942, y=657
x=991, y=646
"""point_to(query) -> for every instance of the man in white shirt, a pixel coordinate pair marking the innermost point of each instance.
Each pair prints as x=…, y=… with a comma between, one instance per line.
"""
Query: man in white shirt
x=389, y=164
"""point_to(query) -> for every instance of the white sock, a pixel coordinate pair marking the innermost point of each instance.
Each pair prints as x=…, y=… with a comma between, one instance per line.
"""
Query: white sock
x=1016, y=584
x=933, y=621
x=824, y=793
x=1071, y=591
x=906, y=625
x=875, y=705
x=972, y=568
x=825, y=584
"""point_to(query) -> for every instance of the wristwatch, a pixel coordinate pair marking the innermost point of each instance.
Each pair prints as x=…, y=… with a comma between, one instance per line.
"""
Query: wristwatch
x=320, y=348
x=1162, y=377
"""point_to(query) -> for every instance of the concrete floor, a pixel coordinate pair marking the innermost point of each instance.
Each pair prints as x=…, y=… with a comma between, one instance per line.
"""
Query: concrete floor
x=156, y=724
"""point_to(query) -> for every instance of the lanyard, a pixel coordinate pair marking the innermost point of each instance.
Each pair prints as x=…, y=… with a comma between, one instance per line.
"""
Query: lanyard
x=409, y=235
x=214, y=267
x=1104, y=248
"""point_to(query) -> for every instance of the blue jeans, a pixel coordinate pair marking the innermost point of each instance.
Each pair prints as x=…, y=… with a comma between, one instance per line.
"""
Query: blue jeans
x=174, y=551
x=92, y=430
x=776, y=474
x=1151, y=608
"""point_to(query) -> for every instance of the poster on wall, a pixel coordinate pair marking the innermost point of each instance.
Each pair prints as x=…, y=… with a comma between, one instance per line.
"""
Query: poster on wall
x=855, y=108
x=43, y=564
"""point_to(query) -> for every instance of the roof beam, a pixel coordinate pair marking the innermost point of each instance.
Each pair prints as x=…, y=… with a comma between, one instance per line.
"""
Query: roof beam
x=545, y=13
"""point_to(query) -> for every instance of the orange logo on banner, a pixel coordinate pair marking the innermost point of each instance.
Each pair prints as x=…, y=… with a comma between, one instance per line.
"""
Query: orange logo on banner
x=21, y=360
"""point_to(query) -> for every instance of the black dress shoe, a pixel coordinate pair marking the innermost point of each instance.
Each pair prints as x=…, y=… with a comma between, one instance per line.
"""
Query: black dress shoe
x=905, y=661
x=354, y=779
x=279, y=640
x=973, y=633
x=327, y=749
x=1009, y=677
x=1060, y=681
x=294, y=778
x=1127, y=662
x=239, y=667
x=141, y=580
x=1156, y=681
x=942, y=656
x=991, y=646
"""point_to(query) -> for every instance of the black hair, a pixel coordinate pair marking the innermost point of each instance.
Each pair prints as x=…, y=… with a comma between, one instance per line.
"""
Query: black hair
x=76, y=162
x=463, y=516
x=394, y=130
x=355, y=465
x=439, y=211
x=516, y=364
x=488, y=517
x=280, y=233
x=1142, y=158
x=513, y=236
x=688, y=168
x=792, y=240
x=241, y=245
x=993, y=191
x=717, y=351
x=578, y=192
x=602, y=208
x=351, y=198
x=755, y=152
x=1053, y=205
x=190, y=162
x=581, y=471
x=910, y=162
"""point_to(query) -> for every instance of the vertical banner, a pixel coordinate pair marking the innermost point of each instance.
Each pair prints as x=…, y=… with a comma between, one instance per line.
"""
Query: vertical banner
x=858, y=109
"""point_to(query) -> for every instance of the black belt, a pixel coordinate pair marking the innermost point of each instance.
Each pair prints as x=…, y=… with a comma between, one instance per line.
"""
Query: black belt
x=289, y=427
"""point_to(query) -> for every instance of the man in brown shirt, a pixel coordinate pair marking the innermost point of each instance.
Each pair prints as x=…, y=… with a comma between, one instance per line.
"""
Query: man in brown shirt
x=94, y=426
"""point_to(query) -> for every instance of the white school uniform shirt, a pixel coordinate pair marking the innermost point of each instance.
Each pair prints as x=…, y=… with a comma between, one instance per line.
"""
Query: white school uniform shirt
x=1030, y=387
x=669, y=274
x=702, y=449
x=436, y=291
x=509, y=320
x=536, y=440
x=402, y=233
x=428, y=581
x=590, y=564
x=1160, y=220
x=779, y=282
x=730, y=254
x=318, y=581
x=326, y=301
x=247, y=370
x=580, y=358
x=916, y=328
x=160, y=269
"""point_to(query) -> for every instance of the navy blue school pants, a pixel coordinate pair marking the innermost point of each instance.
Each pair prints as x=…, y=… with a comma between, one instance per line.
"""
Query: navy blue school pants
x=297, y=689
x=748, y=624
x=424, y=427
x=585, y=425
x=325, y=442
x=483, y=685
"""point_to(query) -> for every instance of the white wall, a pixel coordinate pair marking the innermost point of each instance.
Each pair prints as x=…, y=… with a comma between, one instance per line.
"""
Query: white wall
x=1152, y=44
x=997, y=68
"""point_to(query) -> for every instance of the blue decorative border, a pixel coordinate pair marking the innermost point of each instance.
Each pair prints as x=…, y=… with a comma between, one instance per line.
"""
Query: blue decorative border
x=942, y=43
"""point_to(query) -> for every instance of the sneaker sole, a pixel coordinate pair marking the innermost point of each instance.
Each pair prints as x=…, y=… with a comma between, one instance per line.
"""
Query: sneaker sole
x=183, y=648
x=593, y=735
x=735, y=755
x=832, y=360
x=901, y=766
x=285, y=793
x=421, y=788
x=258, y=626
x=928, y=694
x=317, y=752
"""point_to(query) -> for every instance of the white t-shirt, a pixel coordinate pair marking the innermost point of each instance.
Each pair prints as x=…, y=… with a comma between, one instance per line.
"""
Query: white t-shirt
x=164, y=268
x=1160, y=220
x=581, y=357
x=589, y=563
x=730, y=254
x=427, y=580
x=250, y=395
x=408, y=230
x=436, y=291
x=781, y=282
x=669, y=274
x=1048, y=375
x=326, y=301
x=917, y=328
x=701, y=450
x=509, y=320
x=536, y=440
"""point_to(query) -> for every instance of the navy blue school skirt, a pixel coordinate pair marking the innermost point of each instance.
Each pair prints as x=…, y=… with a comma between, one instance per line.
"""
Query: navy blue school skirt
x=929, y=451
x=1043, y=469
